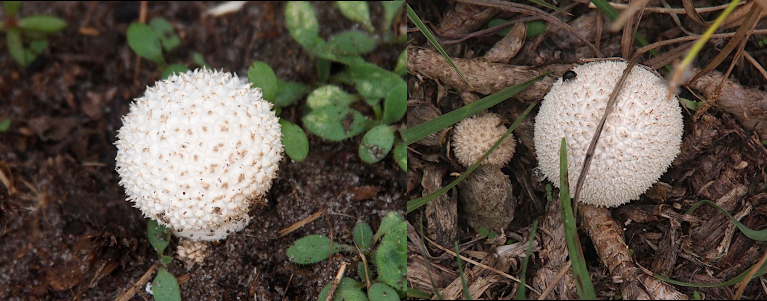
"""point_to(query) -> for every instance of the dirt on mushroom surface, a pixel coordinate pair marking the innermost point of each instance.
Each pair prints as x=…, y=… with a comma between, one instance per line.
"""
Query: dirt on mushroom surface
x=722, y=158
x=66, y=231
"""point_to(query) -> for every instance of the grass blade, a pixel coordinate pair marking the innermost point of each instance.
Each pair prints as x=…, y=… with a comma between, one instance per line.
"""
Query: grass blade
x=752, y=234
x=580, y=271
x=466, y=293
x=418, y=23
x=521, y=290
x=416, y=203
x=422, y=130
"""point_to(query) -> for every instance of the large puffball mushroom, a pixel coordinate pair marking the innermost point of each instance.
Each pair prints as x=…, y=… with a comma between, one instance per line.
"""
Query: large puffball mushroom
x=473, y=136
x=197, y=150
x=639, y=140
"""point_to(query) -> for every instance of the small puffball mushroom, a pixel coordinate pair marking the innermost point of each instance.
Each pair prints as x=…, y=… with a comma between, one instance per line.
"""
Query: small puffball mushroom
x=486, y=198
x=197, y=150
x=640, y=139
x=473, y=136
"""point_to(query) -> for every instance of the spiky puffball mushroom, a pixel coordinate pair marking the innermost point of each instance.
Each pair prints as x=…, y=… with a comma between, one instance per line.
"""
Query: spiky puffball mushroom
x=473, y=136
x=197, y=150
x=640, y=138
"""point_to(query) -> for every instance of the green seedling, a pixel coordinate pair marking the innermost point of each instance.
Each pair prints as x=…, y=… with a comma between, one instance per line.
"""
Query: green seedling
x=27, y=37
x=165, y=286
x=149, y=41
x=387, y=256
x=332, y=112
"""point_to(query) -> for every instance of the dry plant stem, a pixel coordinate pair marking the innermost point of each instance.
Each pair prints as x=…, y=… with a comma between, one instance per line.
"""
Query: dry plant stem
x=462, y=19
x=485, y=77
x=598, y=132
x=678, y=11
x=529, y=10
x=746, y=104
x=339, y=275
x=554, y=254
x=469, y=260
x=608, y=241
x=300, y=224
x=740, y=35
x=625, y=16
x=750, y=276
x=127, y=295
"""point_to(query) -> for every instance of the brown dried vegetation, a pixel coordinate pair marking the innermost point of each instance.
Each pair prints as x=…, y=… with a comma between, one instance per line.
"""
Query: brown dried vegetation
x=722, y=157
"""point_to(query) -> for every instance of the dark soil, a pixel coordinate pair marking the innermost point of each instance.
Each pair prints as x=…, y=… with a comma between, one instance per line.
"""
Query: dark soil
x=66, y=231
x=722, y=160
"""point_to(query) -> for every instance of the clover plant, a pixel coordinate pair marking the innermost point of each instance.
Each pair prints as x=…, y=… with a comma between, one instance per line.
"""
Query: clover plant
x=333, y=112
x=386, y=282
x=27, y=37
x=149, y=41
x=165, y=286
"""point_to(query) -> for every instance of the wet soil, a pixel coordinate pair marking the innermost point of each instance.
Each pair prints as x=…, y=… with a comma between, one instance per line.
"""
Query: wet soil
x=66, y=231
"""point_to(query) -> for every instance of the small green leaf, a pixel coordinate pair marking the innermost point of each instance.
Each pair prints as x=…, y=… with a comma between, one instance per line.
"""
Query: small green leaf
x=166, y=33
x=372, y=82
x=11, y=8
x=5, y=125
x=690, y=104
x=310, y=249
x=322, y=50
x=289, y=92
x=363, y=235
x=535, y=28
x=357, y=11
x=165, y=259
x=400, y=155
x=347, y=290
x=301, y=21
x=314, y=248
x=329, y=95
x=335, y=123
x=391, y=257
x=376, y=144
x=389, y=221
x=498, y=22
x=262, y=76
x=199, y=60
x=159, y=236
x=483, y=232
x=43, y=24
x=38, y=46
x=16, y=46
x=294, y=140
x=401, y=68
x=173, y=68
x=382, y=292
x=391, y=9
x=351, y=42
x=30, y=55
x=361, y=270
x=144, y=41
x=395, y=105
x=165, y=286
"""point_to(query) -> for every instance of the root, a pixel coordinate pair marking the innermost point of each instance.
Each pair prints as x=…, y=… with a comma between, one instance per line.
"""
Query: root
x=608, y=241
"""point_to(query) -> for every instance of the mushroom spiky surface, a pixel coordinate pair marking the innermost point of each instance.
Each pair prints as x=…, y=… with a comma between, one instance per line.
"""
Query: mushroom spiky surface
x=473, y=136
x=197, y=150
x=640, y=139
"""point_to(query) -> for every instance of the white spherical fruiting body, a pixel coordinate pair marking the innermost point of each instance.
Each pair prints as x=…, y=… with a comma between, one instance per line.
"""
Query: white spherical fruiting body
x=640, y=139
x=473, y=136
x=197, y=150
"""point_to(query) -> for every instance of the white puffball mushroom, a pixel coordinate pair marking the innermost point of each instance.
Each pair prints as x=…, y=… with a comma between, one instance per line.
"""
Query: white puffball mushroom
x=640, y=139
x=473, y=136
x=197, y=150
